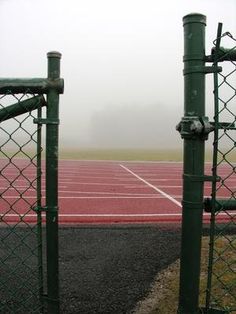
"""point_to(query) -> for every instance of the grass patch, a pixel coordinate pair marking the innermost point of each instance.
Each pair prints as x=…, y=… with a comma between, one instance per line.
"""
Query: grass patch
x=163, y=298
x=223, y=288
x=175, y=155
x=123, y=154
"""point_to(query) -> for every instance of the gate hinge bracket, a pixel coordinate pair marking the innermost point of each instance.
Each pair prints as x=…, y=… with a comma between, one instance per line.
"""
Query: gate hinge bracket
x=204, y=178
x=202, y=69
x=192, y=205
x=45, y=209
x=46, y=121
x=217, y=205
x=222, y=54
x=193, y=127
x=223, y=125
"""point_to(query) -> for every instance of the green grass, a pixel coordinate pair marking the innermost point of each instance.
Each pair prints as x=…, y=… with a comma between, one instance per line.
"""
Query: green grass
x=175, y=155
x=133, y=154
x=123, y=154
x=168, y=302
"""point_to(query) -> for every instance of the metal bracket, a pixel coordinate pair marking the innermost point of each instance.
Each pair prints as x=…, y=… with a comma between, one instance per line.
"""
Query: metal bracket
x=221, y=54
x=45, y=209
x=192, y=205
x=204, y=178
x=202, y=69
x=46, y=121
x=219, y=205
x=193, y=127
x=223, y=125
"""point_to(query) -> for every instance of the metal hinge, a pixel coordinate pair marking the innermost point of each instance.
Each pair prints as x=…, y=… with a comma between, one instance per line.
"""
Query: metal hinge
x=219, y=205
x=223, y=125
x=202, y=69
x=45, y=209
x=193, y=127
x=46, y=121
x=203, y=178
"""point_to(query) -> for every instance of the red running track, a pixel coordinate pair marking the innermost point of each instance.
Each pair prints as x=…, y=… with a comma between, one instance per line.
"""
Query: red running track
x=104, y=192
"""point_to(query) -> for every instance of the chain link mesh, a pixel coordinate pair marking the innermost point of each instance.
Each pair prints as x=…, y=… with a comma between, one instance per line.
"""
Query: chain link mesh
x=221, y=288
x=21, y=283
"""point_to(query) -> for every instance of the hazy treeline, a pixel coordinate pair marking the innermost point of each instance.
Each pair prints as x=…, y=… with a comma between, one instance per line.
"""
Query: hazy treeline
x=150, y=126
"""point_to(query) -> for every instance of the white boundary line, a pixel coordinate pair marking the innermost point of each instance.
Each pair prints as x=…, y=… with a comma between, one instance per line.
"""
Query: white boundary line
x=126, y=161
x=94, y=197
x=112, y=215
x=96, y=215
x=153, y=187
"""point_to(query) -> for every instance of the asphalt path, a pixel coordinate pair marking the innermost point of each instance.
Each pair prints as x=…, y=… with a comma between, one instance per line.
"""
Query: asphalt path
x=103, y=269
x=108, y=269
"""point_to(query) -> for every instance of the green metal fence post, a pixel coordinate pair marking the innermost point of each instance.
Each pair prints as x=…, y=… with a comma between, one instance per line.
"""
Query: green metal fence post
x=191, y=129
x=52, y=184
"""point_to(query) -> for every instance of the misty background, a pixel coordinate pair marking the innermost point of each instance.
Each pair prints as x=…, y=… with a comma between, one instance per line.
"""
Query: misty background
x=121, y=62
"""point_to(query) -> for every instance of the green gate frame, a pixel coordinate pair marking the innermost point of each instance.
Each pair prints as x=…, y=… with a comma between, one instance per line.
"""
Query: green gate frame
x=52, y=86
x=194, y=129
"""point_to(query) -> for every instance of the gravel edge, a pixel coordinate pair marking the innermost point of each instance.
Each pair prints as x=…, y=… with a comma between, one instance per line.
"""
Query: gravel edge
x=158, y=290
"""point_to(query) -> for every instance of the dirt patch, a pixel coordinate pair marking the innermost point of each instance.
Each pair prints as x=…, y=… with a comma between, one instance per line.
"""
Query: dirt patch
x=160, y=292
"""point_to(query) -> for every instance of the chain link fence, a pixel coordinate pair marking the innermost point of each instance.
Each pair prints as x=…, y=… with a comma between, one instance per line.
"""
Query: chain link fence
x=29, y=281
x=21, y=282
x=221, y=285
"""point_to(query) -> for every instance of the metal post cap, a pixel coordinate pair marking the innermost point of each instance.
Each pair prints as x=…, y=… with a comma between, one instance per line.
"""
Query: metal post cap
x=54, y=54
x=194, y=18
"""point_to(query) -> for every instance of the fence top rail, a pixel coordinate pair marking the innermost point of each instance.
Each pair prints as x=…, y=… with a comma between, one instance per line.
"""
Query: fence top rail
x=27, y=85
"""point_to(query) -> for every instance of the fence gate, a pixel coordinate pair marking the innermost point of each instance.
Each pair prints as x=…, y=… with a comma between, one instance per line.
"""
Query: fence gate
x=28, y=192
x=217, y=281
x=221, y=284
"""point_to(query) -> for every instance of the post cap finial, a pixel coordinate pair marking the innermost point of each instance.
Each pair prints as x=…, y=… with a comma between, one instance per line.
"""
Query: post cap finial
x=54, y=54
x=194, y=18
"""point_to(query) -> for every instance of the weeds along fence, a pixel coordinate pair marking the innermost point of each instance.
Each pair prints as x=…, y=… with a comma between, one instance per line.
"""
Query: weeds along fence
x=218, y=283
x=28, y=197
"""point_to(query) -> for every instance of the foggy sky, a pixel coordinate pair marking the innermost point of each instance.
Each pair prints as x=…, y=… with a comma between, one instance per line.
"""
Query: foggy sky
x=121, y=62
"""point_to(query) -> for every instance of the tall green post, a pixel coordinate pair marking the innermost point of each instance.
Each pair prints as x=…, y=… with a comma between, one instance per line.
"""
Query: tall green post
x=192, y=129
x=52, y=123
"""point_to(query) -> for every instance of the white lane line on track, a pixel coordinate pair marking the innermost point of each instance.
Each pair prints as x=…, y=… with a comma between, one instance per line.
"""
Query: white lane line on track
x=98, y=215
x=94, y=197
x=85, y=192
x=107, y=193
x=65, y=180
x=153, y=187
x=111, y=197
x=100, y=161
x=97, y=177
x=26, y=189
x=109, y=215
x=165, y=179
x=106, y=184
x=88, y=197
x=169, y=186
